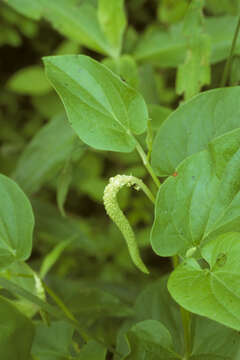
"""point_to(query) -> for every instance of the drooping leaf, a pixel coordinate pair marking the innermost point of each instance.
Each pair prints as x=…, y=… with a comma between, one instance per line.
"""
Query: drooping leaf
x=193, y=125
x=52, y=342
x=212, y=292
x=21, y=274
x=103, y=110
x=150, y=340
x=92, y=351
x=46, y=153
x=16, y=223
x=30, y=80
x=112, y=19
x=16, y=332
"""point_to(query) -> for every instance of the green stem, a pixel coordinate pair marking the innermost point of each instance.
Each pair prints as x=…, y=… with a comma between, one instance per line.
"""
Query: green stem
x=186, y=321
x=227, y=68
x=186, y=316
x=147, y=164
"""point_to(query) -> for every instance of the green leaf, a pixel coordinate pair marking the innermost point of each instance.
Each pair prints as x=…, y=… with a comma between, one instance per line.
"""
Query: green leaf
x=16, y=333
x=112, y=19
x=172, y=11
x=150, y=340
x=29, y=81
x=21, y=274
x=63, y=184
x=16, y=223
x=202, y=201
x=92, y=351
x=195, y=71
x=52, y=257
x=78, y=22
x=213, y=341
x=168, y=48
x=52, y=342
x=212, y=292
x=155, y=303
x=158, y=114
x=215, y=111
x=43, y=157
x=103, y=110
x=126, y=67
x=29, y=8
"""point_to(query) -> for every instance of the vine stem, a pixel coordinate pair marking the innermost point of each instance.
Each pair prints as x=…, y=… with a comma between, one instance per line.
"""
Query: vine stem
x=186, y=321
x=185, y=315
x=230, y=57
x=147, y=164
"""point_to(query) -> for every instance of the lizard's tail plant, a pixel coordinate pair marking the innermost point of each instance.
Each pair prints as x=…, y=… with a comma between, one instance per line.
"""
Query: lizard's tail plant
x=116, y=214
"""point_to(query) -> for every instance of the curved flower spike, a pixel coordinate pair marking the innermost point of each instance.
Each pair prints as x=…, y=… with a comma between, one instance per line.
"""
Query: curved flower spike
x=115, y=213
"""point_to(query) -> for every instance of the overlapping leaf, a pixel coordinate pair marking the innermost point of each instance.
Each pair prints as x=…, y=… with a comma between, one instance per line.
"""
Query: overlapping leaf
x=202, y=201
x=193, y=125
x=213, y=292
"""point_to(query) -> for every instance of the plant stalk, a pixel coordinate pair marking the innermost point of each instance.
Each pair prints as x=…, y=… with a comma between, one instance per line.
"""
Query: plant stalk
x=185, y=315
x=228, y=65
x=147, y=164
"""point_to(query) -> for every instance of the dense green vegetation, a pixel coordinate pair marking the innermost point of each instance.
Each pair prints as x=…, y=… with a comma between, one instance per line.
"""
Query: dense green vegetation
x=120, y=180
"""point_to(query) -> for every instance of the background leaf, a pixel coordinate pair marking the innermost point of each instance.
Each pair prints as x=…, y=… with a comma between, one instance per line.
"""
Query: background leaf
x=16, y=223
x=16, y=333
x=112, y=19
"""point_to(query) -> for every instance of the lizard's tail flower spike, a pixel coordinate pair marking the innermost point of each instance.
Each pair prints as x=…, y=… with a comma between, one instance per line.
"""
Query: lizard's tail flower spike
x=115, y=213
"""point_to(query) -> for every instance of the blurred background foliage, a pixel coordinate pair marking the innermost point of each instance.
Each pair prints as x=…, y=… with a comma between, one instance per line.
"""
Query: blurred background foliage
x=171, y=50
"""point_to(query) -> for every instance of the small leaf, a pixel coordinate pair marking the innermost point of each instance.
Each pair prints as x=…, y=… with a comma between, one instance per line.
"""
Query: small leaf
x=43, y=157
x=103, y=110
x=52, y=257
x=52, y=342
x=92, y=351
x=112, y=19
x=16, y=333
x=16, y=223
x=150, y=340
x=29, y=81
x=212, y=292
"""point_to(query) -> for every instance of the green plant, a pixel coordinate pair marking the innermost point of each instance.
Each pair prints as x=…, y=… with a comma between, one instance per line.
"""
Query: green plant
x=92, y=303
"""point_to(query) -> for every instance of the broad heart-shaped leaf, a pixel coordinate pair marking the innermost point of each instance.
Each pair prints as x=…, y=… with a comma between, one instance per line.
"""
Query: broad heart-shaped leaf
x=168, y=48
x=16, y=333
x=16, y=223
x=102, y=109
x=213, y=292
x=52, y=342
x=46, y=154
x=150, y=340
x=202, y=201
x=193, y=125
